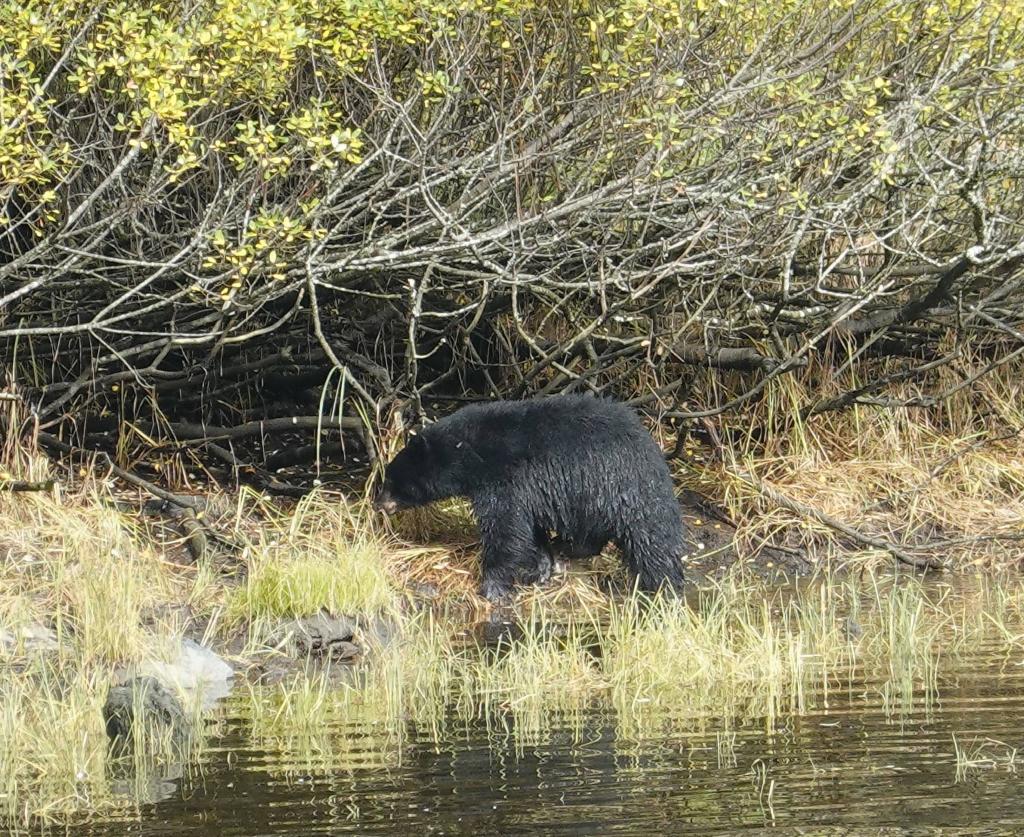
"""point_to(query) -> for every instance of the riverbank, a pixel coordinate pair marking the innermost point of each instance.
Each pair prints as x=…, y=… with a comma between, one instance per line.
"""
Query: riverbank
x=292, y=600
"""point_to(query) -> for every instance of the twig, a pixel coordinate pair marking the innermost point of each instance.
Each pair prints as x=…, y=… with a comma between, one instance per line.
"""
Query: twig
x=205, y=432
x=897, y=552
x=263, y=479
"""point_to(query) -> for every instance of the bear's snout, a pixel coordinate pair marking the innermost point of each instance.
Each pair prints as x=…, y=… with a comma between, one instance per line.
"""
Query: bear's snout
x=385, y=503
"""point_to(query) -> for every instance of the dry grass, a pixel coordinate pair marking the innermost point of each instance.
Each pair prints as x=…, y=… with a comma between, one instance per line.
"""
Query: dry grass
x=983, y=754
x=86, y=569
x=105, y=593
x=737, y=649
x=306, y=724
x=112, y=594
x=81, y=574
x=951, y=476
x=740, y=649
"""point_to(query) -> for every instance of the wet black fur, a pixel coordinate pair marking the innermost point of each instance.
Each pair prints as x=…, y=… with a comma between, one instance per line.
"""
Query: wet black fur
x=582, y=468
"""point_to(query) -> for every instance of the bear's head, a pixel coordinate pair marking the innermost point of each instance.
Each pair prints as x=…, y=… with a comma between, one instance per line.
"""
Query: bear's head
x=423, y=471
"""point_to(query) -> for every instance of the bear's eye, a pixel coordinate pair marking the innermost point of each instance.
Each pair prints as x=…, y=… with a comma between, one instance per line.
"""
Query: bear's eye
x=459, y=445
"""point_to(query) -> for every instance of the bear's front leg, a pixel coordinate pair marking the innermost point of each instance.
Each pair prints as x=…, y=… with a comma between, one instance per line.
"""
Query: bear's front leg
x=512, y=551
x=509, y=560
x=495, y=589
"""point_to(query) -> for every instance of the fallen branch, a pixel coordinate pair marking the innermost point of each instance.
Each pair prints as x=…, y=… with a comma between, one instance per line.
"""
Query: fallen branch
x=897, y=552
x=22, y=485
x=196, y=532
x=206, y=432
x=260, y=477
x=739, y=359
x=852, y=396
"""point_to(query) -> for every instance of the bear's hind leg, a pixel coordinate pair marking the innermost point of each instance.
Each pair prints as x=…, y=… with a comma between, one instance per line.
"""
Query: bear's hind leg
x=652, y=551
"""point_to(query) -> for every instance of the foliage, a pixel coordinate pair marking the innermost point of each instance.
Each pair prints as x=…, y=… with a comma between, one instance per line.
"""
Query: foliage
x=345, y=203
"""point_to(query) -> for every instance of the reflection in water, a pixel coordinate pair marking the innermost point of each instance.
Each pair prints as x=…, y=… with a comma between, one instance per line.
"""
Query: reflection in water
x=912, y=724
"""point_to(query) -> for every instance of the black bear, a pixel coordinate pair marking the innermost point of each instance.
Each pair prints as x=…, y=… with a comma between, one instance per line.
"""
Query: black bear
x=582, y=468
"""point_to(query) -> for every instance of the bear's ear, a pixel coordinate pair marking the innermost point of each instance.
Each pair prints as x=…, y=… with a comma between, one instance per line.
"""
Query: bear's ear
x=417, y=444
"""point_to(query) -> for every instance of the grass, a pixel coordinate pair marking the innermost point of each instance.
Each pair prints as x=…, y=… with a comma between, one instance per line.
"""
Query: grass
x=740, y=650
x=951, y=475
x=321, y=556
x=314, y=722
x=113, y=590
x=80, y=573
x=982, y=754
x=85, y=567
x=56, y=762
x=52, y=741
x=737, y=649
x=106, y=591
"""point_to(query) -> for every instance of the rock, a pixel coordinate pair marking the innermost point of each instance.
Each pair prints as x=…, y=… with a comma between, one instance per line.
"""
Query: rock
x=323, y=635
x=852, y=629
x=157, y=783
x=344, y=651
x=497, y=631
x=196, y=670
x=31, y=638
x=38, y=637
x=424, y=590
x=145, y=700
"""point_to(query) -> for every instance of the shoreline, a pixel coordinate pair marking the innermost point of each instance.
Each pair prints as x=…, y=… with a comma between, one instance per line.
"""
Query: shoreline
x=319, y=602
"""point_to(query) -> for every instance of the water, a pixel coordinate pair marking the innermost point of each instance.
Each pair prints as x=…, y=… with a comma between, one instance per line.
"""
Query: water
x=874, y=760
x=848, y=767
x=860, y=706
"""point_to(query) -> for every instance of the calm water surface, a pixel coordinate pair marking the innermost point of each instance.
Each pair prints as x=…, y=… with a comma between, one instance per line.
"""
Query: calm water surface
x=866, y=763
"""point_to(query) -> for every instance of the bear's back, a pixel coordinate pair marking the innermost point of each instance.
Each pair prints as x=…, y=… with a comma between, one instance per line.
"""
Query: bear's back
x=563, y=425
x=550, y=414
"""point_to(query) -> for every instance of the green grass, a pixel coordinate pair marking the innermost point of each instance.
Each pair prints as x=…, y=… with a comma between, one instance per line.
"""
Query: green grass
x=740, y=650
x=114, y=593
x=85, y=572
x=315, y=722
x=56, y=764
x=737, y=649
x=85, y=568
x=302, y=585
x=322, y=556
